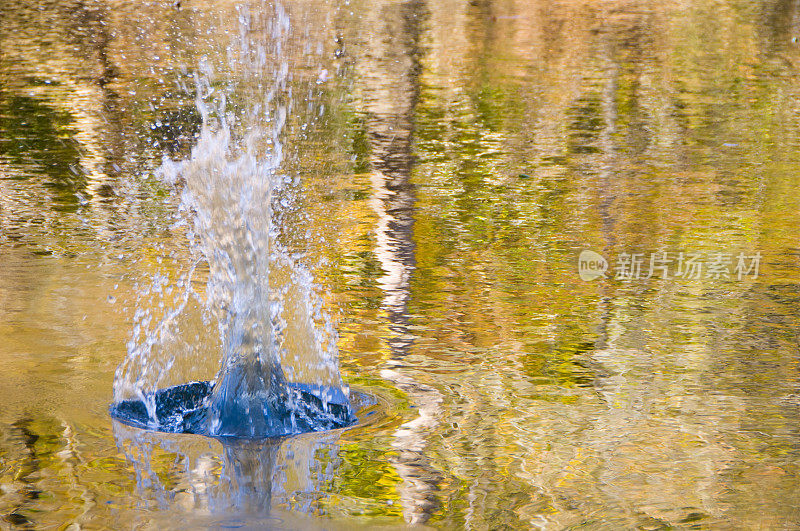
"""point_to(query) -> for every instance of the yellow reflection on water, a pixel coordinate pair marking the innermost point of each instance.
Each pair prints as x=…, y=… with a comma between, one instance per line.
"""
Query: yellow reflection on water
x=468, y=152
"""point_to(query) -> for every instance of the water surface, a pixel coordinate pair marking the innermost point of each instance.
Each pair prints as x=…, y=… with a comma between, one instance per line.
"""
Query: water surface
x=455, y=159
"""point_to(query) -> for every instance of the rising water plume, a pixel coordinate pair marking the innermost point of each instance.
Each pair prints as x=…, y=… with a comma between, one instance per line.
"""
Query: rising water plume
x=278, y=373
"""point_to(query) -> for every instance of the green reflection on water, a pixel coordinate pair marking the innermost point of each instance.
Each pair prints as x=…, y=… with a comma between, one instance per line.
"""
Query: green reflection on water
x=33, y=135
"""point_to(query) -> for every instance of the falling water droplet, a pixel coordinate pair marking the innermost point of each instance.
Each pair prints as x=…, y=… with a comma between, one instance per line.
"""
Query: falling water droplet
x=257, y=291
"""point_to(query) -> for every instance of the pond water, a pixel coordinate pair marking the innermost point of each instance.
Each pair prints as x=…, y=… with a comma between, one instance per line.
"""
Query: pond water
x=451, y=161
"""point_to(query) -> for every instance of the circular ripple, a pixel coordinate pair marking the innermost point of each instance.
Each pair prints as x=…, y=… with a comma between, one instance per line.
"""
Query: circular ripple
x=184, y=409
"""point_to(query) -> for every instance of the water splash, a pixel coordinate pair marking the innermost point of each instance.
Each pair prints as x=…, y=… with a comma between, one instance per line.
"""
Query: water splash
x=278, y=373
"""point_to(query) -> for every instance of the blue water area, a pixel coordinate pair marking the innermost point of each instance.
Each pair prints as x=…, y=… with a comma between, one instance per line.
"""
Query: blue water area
x=185, y=409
